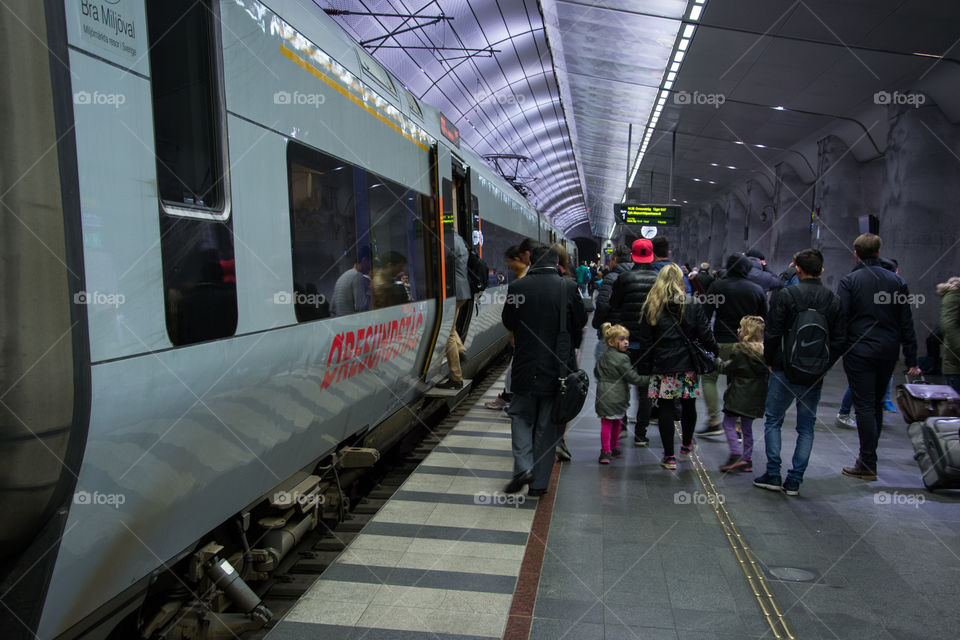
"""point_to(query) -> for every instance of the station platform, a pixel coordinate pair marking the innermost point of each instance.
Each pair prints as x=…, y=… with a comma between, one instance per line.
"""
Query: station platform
x=630, y=550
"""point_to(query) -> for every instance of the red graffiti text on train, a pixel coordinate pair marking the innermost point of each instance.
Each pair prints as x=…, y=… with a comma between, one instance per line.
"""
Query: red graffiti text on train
x=355, y=351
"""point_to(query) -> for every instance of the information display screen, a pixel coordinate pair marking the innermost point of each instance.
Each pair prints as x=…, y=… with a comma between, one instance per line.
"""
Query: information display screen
x=647, y=214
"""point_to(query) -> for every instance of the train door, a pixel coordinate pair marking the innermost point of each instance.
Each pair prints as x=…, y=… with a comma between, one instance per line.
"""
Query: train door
x=464, y=225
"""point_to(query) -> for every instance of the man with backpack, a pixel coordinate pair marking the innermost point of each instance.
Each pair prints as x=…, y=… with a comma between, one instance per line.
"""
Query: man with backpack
x=805, y=335
x=877, y=306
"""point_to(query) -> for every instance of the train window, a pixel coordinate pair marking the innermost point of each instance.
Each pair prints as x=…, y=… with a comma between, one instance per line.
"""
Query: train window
x=414, y=105
x=331, y=264
x=187, y=113
x=378, y=73
x=496, y=241
x=397, y=236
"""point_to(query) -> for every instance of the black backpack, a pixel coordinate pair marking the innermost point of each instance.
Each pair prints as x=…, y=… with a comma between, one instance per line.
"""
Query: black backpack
x=477, y=273
x=806, y=346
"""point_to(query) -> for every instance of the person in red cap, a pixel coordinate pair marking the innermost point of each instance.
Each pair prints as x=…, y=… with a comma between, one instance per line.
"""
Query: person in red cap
x=626, y=304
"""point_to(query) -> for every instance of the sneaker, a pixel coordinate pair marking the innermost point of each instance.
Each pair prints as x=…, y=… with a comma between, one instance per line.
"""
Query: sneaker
x=711, y=430
x=733, y=463
x=668, y=462
x=497, y=404
x=791, y=487
x=641, y=440
x=562, y=452
x=859, y=470
x=746, y=466
x=604, y=457
x=846, y=420
x=615, y=453
x=687, y=452
x=767, y=481
x=889, y=406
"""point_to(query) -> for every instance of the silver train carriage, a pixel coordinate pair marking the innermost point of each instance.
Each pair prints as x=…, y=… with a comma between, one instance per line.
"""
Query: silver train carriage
x=227, y=259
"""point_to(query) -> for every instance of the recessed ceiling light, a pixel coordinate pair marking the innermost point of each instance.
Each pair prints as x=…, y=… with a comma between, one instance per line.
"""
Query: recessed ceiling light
x=697, y=180
x=712, y=181
x=779, y=108
x=695, y=12
x=688, y=31
x=760, y=146
x=737, y=142
x=714, y=164
x=729, y=166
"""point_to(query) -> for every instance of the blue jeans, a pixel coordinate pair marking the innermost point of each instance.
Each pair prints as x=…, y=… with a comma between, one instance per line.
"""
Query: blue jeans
x=534, y=436
x=780, y=395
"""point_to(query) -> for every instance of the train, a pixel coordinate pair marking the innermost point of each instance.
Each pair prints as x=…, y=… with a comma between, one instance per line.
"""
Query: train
x=188, y=186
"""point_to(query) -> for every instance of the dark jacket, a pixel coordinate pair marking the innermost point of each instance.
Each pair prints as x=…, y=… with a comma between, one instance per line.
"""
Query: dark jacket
x=628, y=294
x=701, y=282
x=812, y=295
x=603, y=312
x=765, y=279
x=535, y=323
x=733, y=297
x=877, y=306
x=614, y=375
x=747, y=376
x=663, y=347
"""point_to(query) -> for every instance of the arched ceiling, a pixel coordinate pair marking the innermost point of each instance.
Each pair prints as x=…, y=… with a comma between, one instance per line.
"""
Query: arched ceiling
x=537, y=79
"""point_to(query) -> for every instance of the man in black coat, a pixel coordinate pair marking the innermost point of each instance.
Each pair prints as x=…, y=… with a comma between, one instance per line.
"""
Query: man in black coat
x=729, y=298
x=702, y=280
x=785, y=306
x=532, y=313
x=626, y=301
x=620, y=263
x=879, y=321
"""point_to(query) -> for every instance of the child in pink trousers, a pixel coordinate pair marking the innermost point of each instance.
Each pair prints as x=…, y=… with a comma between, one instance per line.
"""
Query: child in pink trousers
x=614, y=375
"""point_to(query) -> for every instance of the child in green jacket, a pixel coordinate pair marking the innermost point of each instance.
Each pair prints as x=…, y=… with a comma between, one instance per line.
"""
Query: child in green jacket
x=614, y=375
x=746, y=392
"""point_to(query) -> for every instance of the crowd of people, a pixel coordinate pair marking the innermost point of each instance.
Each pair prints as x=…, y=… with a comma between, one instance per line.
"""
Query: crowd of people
x=668, y=332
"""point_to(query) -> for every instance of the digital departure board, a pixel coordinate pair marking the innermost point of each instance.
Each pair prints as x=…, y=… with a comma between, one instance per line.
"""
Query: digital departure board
x=667, y=215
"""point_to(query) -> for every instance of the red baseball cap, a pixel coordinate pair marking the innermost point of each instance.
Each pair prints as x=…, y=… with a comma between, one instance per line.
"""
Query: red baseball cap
x=642, y=250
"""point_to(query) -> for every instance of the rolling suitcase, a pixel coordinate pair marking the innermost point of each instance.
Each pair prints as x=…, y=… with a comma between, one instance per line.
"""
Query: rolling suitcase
x=936, y=445
x=919, y=401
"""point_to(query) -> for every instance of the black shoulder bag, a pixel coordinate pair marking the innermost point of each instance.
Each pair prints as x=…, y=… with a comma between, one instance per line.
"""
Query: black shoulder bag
x=702, y=359
x=574, y=385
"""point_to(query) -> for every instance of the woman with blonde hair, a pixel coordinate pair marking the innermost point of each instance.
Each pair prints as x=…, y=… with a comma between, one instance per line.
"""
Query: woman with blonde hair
x=669, y=322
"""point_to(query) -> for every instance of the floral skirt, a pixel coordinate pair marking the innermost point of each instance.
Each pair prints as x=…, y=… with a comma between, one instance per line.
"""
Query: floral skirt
x=674, y=385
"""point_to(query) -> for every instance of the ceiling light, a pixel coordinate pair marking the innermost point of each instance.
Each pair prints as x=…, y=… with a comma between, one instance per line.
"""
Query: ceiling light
x=928, y=55
x=683, y=44
x=695, y=12
x=714, y=164
x=678, y=56
x=779, y=108
x=668, y=84
x=711, y=182
x=671, y=76
x=697, y=180
x=688, y=31
x=760, y=146
x=737, y=142
x=684, y=202
x=730, y=167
